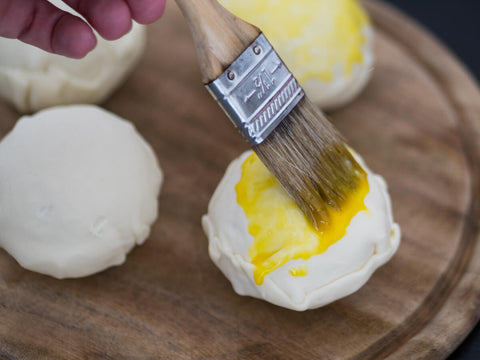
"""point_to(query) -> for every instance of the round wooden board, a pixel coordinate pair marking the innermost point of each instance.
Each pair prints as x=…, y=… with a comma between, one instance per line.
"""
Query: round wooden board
x=417, y=123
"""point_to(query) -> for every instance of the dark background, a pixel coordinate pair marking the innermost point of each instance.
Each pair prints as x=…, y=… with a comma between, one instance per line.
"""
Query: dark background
x=457, y=24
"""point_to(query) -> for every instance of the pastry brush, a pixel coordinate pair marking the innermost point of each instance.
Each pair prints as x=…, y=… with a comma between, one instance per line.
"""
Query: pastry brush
x=293, y=139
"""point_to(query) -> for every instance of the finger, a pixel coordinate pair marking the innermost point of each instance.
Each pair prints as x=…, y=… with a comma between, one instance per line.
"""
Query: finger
x=39, y=23
x=72, y=37
x=111, y=18
x=146, y=11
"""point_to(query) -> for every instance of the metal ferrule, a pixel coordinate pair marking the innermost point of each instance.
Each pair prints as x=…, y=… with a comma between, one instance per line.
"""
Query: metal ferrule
x=257, y=91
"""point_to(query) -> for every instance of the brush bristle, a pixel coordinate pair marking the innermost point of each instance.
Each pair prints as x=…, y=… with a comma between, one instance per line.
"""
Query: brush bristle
x=311, y=161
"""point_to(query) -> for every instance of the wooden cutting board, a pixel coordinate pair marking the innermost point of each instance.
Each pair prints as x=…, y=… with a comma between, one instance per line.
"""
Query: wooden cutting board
x=417, y=123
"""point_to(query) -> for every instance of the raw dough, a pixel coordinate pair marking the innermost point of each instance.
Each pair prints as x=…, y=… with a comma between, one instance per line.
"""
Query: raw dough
x=78, y=190
x=32, y=79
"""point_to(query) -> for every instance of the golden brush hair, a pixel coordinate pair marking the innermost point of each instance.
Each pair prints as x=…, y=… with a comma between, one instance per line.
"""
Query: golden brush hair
x=310, y=160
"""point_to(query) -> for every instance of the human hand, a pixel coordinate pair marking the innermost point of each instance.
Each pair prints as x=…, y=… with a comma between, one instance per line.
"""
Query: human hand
x=39, y=23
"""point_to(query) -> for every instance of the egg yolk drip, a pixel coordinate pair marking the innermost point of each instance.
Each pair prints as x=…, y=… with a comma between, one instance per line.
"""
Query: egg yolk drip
x=313, y=37
x=281, y=231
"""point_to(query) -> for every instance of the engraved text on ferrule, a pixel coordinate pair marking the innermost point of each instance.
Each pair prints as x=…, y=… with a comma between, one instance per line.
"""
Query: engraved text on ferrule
x=260, y=95
x=273, y=107
x=264, y=81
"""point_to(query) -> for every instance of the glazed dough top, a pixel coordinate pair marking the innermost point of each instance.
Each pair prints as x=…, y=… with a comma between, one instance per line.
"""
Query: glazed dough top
x=371, y=239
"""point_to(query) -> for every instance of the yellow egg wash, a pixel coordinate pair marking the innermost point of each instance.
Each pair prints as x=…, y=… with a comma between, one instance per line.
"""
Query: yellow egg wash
x=281, y=231
x=301, y=270
x=313, y=37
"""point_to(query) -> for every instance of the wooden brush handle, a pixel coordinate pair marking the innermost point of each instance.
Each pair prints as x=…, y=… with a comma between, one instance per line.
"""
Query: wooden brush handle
x=220, y=36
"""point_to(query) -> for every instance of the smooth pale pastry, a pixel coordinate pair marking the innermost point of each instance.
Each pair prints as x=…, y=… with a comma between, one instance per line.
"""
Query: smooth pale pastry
x=265, y=246
x=32, y=79
x=78, y=190
x=327, y=44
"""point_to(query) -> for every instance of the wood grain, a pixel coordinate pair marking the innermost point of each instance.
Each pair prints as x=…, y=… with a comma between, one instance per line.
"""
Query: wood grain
x=417, y=123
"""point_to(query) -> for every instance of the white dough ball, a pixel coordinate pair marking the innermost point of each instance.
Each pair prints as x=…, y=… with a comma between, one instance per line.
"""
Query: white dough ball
x=370, y=240
x=32, y=79
x=78, y=190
